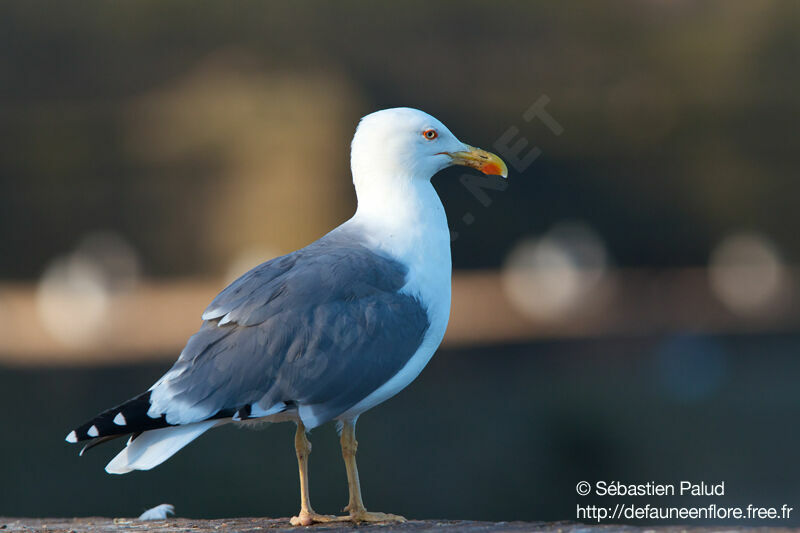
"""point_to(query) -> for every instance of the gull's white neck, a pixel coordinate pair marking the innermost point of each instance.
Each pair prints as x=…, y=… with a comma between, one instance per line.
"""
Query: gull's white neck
x=405, y=220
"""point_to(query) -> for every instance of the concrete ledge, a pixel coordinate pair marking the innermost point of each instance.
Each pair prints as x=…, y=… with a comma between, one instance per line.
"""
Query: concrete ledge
x=182, y=525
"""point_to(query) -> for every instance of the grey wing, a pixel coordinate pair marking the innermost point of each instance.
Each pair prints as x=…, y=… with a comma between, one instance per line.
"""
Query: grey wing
x=322, y=328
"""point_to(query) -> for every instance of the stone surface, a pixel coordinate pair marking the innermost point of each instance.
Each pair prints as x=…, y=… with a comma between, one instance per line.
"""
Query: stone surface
x=183, y=525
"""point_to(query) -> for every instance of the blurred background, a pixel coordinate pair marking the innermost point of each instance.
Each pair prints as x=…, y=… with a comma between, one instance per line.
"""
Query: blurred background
x=626, y=308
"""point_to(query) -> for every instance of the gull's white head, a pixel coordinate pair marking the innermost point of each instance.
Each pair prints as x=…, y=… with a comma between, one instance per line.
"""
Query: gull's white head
x=394, y=147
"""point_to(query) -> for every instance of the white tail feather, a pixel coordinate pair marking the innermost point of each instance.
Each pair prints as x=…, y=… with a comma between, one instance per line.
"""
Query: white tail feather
x=153, y=447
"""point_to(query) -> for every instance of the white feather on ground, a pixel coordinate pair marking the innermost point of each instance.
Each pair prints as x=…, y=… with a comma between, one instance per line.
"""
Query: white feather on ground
x=152, y=448
x=159, y=512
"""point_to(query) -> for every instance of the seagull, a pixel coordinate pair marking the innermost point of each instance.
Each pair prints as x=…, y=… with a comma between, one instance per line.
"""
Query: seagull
x=326, y=332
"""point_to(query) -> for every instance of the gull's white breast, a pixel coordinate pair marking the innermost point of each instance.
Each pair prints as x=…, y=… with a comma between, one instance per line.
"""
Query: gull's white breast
x=423, y=245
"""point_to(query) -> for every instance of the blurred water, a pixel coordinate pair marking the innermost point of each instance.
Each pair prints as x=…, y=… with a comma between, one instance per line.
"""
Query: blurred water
x=495, y=433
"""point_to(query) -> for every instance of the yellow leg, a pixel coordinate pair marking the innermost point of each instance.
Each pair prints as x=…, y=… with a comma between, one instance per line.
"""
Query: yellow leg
x=307, y=516
x=358, y=513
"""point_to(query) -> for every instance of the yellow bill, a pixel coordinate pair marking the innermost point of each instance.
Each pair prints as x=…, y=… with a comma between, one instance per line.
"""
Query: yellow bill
x=486, y=162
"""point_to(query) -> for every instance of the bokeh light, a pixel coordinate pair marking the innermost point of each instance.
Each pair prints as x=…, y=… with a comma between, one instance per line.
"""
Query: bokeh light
x=747, y=274
x=115, y=256
x=547, y=277
x=73, y=297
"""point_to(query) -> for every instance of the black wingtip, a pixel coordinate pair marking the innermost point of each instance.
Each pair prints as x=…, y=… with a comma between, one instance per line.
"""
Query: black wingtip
x=128, y=417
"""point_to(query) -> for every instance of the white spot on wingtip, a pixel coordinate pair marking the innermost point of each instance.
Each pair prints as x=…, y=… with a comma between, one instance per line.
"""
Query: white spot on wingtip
x=120, y=419
x=72, y=438
x=93, y=431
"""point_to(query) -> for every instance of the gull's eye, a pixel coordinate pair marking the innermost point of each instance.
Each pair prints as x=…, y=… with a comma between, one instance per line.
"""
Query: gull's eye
x=430, y=134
